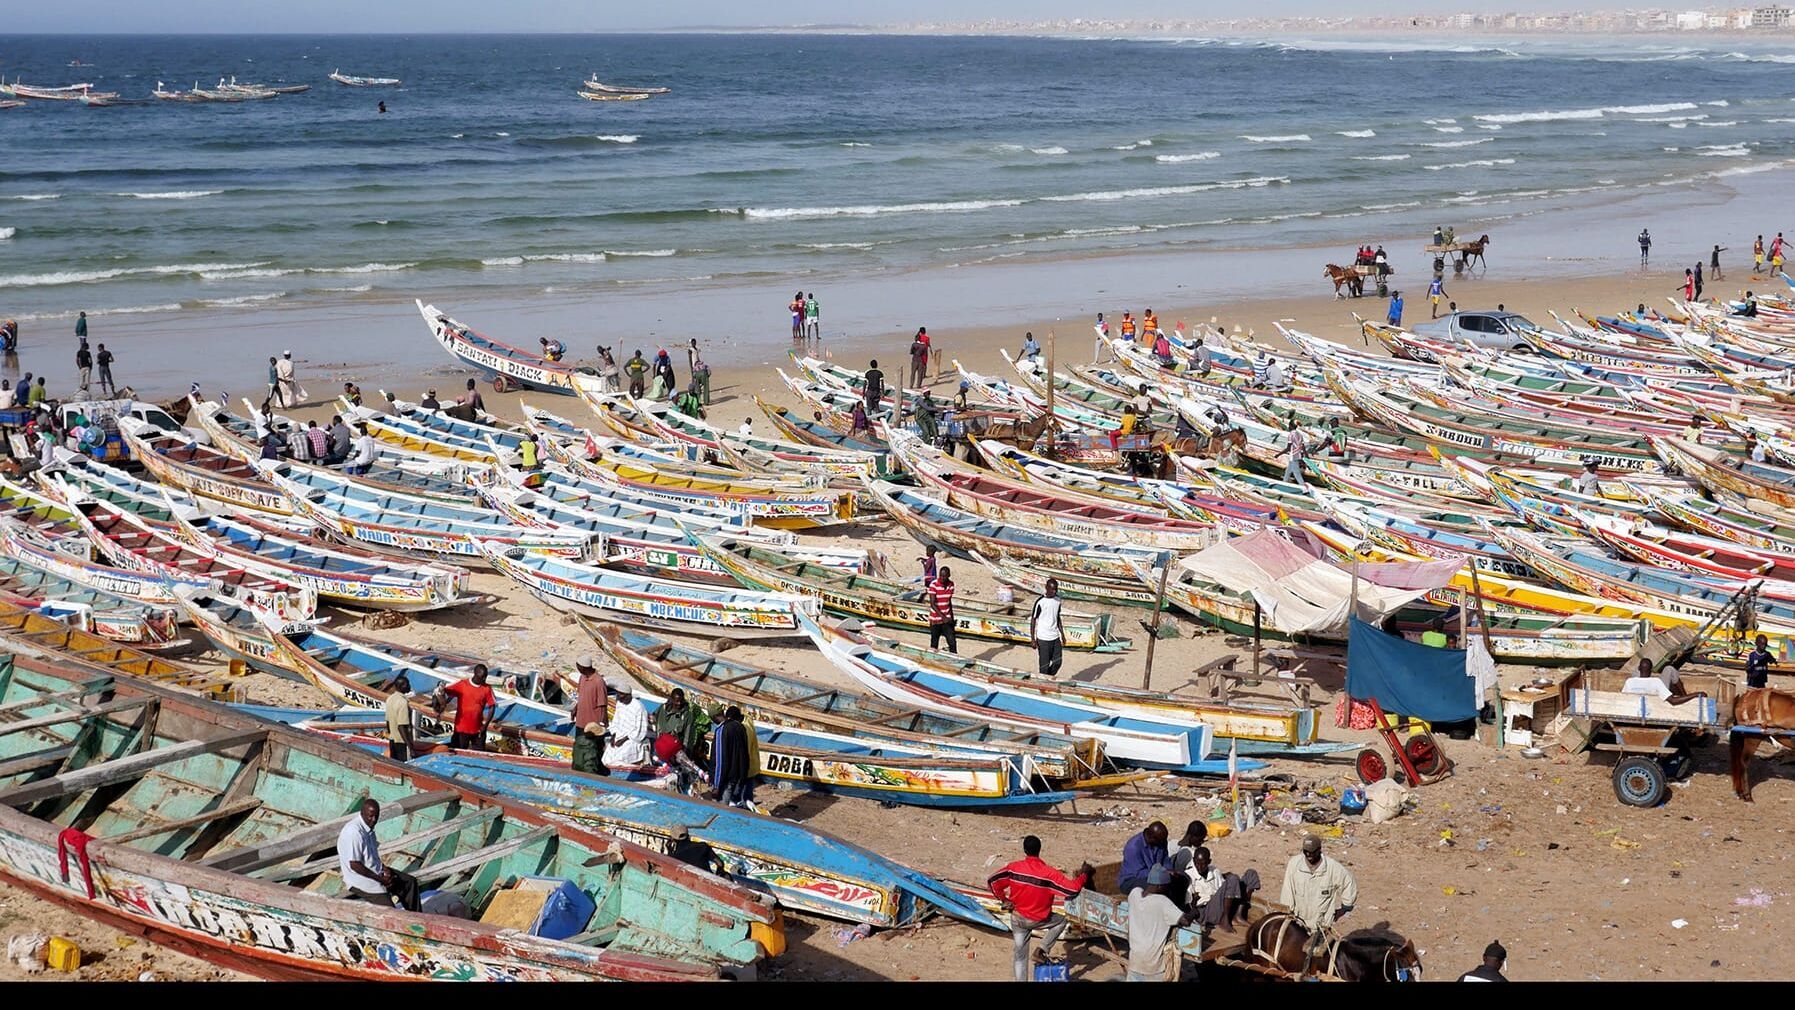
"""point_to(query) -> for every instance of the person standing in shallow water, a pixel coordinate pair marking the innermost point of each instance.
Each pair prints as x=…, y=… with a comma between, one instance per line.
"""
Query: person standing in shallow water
x=1645, y=247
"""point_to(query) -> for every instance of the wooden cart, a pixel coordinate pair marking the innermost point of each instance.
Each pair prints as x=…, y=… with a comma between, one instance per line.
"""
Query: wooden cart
x=1652, y=737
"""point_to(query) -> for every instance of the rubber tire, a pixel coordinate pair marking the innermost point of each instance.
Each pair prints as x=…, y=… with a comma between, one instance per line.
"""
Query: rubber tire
x=502, y=384
x=1640, y=782
x=1424, y=753
x=1371, y=765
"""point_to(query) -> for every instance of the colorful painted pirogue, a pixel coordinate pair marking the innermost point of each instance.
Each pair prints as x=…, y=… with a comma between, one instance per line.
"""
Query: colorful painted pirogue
x=507, y=366
x=889, y=603
x=202, y=828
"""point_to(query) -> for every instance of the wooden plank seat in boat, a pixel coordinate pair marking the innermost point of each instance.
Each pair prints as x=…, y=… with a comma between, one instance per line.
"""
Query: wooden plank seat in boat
x=249, y=858
x=234, y=808
x=390, y=851
x=121, y=769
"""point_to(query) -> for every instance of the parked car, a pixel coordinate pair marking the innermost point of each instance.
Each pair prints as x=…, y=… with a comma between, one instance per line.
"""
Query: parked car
x=1499, y=331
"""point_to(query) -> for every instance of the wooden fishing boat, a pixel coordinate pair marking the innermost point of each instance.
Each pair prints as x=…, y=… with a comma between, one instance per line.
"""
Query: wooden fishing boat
x=201, y=470
x=775, y=509
x=755, y=452
x=138, y=585
x=1165, y=742
x=815, y=432
x=508, y=367
x=46, y=519
x=1667, y=548
x=408, y=435
x=75, y=477
x=804, y=869
x=204, y=825
x=363, y=82
x=1251, y=729
x=341, y=575
x=1716, y=520
x=392, y=470
x=593, y=84
x=900, y=606
x=646, y=601
x=1758, y=481
x=108, y=615
x=415, y=527
x=966, y=535
x=1063, y=513
x=26, y=632
x=600, y=96
x=996, y=761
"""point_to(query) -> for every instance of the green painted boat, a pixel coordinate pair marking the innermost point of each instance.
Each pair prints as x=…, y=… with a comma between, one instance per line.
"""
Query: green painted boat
x=215, y=832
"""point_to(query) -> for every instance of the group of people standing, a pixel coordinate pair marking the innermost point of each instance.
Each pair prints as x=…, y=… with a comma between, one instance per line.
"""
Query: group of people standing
x=807, y=319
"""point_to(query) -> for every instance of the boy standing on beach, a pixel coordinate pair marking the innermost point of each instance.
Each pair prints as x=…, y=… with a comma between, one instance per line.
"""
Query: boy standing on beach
x=1757, y=256
x=1395, y=316
x=813, y=320
x=1436, y=289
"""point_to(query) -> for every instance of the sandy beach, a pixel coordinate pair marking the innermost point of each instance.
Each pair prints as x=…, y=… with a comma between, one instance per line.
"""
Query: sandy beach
x=1536, y=853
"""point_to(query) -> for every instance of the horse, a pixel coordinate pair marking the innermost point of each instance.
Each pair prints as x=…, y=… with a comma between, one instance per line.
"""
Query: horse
x=1376, y=954
x=1344, y=276
x=1473, y=251
x=1765, y=708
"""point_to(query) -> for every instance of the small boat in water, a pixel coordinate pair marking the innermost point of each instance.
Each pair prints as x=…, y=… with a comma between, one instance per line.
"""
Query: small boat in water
x=599, y=96
x=363, y=82
x=593, y=84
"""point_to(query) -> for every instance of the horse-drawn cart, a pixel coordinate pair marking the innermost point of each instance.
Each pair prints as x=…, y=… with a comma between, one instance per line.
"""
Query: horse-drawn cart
x=1462, y=252
x=1350, y=280
x=1652, y=737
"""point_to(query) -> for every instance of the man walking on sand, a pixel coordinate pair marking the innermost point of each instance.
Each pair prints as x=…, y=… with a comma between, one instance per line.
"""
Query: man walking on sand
x=105, y=360
x=1645, y=247
x=285, y=384
x=919, y=360
x=1395, y=315
x=1698, y=281
x=81, y=325
x=1045, y=630
x=83, y=365
x=1714, y=264
x=1436, y=290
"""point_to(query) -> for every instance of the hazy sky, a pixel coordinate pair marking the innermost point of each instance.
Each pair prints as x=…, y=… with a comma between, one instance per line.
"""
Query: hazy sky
x=355, y=16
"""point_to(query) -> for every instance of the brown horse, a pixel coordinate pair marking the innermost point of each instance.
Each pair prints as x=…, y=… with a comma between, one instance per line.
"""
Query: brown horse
x=1344, y=276
x=1763, y=708
x=1377, y=954
x=1473, y=251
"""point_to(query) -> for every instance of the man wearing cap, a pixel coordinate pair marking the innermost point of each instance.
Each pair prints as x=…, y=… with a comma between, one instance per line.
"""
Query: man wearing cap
x=1587, y=482
x=1495, y=958
x=589, y=720
x=430, y=402
x=1027, y=888
x=629, y=730
x=1152, y=956
x=1317, y=889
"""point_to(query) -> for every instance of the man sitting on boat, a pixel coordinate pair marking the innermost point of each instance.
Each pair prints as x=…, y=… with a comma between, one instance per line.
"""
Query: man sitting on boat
x=552, y=350
x=365, y=877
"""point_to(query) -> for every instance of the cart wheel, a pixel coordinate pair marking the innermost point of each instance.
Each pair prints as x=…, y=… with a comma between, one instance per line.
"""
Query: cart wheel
x=1639, y=782
x=1424, y=754
x=1372, y=767
x=502, y=384
x=1678, y=766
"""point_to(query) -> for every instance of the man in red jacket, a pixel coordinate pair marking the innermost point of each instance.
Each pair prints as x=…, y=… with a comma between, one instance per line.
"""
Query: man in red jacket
x=1027, y=887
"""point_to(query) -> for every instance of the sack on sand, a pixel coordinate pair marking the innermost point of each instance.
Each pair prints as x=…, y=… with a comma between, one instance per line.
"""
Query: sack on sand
x=1384, y=799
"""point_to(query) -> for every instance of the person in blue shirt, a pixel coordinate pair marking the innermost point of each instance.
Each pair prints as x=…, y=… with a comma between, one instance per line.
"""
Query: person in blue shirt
x=1395, y=308
x=1030, y=349
x=1436, y=290
x=1757, y=664
x=1140, y=855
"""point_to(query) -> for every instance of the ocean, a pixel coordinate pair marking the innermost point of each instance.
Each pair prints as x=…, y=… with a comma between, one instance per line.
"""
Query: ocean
x=778, y=161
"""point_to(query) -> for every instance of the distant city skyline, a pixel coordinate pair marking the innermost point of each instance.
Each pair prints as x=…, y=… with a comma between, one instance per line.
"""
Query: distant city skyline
x=439, y=16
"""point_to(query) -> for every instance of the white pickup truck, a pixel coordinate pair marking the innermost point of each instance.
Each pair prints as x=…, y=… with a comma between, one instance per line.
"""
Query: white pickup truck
x=1500, y=331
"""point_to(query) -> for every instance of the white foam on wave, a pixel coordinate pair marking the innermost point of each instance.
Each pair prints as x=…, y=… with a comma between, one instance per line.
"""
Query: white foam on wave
x=870, y=210
x=225, y=303
x=1720, y=122
x=1557, y=115
x=845, y=143
x=365, y=268
x=1438, y=122
x=1480, y=163
x=1682, y=118
x=1391, y=206
x=1723, y=103
x=1130, y=147
x=1381, y=157
x=1779, y=120
x=1723, y=151
x=1152, y=191
x=1489, y=126
x=1650, y=110
x=179, y=194
x=7, y=233
x=642, y=252
x=596, y=257
x=835, y=245
x=1288, y=138
x=457, y=136
x=1179, y=159
x=36, y=196
x=62, y=277
x=353, y=289
x=503, y=261
x=501, y=134
x=1356, y=133
x=630, y=138
x=1056, y=149
x=1457, y=143
x=1449, y=129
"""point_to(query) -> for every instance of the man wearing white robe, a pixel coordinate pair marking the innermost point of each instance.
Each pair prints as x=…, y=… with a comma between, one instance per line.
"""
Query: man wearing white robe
x=629, y=731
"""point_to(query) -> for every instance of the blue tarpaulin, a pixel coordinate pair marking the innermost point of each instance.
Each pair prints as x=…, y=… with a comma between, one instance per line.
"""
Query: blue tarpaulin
x=1406, y=677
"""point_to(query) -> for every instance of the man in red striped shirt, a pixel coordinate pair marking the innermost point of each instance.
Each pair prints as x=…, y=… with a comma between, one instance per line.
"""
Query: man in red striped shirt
x=941, y=610
x=1027, y=887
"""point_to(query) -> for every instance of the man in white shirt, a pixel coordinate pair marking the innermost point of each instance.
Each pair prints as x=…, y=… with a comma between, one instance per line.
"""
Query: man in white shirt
x=1219, y=899
x=365, y=877
x=1587, y=482
x=363, y=457
x=1296, y=448
x=1045, y=630
x=747, y=428
x=1152, y=955
x=1317, y=889
x=629, y=730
